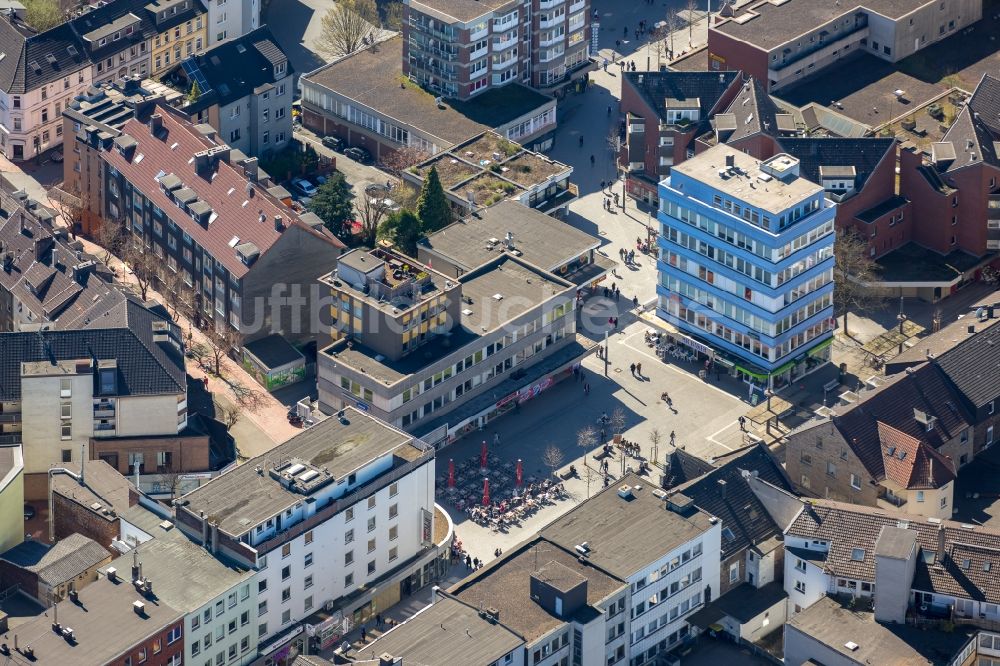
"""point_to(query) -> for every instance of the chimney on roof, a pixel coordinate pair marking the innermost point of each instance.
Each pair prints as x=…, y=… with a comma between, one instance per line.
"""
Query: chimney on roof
x=386, y=659
x=279, y=224
x=722, y=488
x=730, y=161
x=204, y=530
x=940, y=544
x=250, y=168
x=155, y=124
x=202, y=162
x=215, y=538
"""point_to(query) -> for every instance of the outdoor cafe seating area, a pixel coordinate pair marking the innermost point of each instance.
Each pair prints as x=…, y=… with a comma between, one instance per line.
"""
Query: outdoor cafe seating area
x=493, y=492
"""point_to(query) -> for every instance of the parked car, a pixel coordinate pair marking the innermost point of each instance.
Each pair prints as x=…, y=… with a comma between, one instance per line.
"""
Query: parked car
x=359, y=155
x=333, y=143
x=303, y=187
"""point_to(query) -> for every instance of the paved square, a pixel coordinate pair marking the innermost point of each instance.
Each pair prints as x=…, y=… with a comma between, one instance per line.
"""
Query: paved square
x=705, y=423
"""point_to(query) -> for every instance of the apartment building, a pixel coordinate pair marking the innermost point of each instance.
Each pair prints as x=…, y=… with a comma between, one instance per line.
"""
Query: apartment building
x=914, y=566
x=489, y=168
x=111, y=621
x=245, y=92
x=541, y=240
x=746, y=264
x=362, y=98
x=45, y=282
x=229, y=19
x=439, y=355
x=459, y=48
x=91, y=123
x=664, y=113
x=783, y=43
x=45, y=71
x=665, y=552
x=181, y=32
x=340, y=518
x=208, y=212
x=954, y=189
x=217, y=596
x=120, y=378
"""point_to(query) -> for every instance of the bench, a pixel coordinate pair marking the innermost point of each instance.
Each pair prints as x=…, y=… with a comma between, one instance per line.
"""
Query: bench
x=831, y=385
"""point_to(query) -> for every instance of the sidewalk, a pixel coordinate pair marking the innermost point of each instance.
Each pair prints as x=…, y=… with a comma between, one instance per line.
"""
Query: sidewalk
x=271, y=418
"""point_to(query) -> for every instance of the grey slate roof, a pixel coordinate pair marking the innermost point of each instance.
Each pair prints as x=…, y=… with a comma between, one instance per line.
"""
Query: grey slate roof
x=864, y=154
x=57, y=564
x=973, y=366
x=733, y=502
x=235, y=67
x=656, y=87
x=144, y=367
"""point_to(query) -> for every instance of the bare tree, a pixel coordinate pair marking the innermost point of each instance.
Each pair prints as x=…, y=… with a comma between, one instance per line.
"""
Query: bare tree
x=168, y=482
x=178, y=296
x=552, y=458
x=691, y=7
x=372, y=208
x=854, y=272
x=71, y=209
x=199, y=352
x=673, y=23
x=142, y=265
x=230, y=416
x=617, y=420
x=655, y=437
x=110, y=235
x=347, y=26
x=223, y=339
x=586, y=439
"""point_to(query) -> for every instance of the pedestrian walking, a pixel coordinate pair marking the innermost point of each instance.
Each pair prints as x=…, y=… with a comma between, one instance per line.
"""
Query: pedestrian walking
x=605, y=64
x=635, y=301
x=468, y=561
x=364, y=635
x=378, y=620
x=638, y=369
x=609, y=109
x=616, y=323
x=612, y=286
x=743, y=424
x=496, y=439
x=602, y=184
x=592, y=160
x=611, y=321
x=586, y=388
x=633, y=65
x=673, y=437
x=632, y=368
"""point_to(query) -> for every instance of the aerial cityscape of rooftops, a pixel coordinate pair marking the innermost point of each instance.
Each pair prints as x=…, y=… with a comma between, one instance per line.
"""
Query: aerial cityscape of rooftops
x=499, y=332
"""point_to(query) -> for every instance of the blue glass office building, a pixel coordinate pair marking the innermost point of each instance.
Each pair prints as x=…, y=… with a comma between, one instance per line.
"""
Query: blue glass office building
x=746, y=263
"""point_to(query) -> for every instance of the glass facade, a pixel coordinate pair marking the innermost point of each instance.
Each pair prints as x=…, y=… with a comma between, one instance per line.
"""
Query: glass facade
x=746, y=263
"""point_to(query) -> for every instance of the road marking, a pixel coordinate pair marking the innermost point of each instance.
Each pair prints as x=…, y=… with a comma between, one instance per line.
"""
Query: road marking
x=712, y=438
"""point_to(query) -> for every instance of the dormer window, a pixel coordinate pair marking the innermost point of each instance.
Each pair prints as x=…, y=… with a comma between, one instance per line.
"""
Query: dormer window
x=279, y=69
x=108, y=381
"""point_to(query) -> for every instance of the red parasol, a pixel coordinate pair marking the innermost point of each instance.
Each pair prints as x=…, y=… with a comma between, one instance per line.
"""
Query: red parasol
x=482, y=456
x=519, y=474
x=451, y=474
x=486, y=492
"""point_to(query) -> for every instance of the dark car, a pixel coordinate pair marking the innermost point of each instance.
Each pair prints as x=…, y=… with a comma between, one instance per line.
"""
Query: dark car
x=358, y=155
x=333, y=143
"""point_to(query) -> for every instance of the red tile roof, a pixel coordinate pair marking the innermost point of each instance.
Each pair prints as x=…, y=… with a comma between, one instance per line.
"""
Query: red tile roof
x=911, y=463
x=226, y=192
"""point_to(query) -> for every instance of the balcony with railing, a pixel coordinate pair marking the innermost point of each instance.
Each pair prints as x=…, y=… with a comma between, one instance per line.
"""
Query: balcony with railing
x=448, y=35
x=549, y=4
x=577, y=6
x=550, y=22
x=432, y=66
x=10, y=438
x=418, y=46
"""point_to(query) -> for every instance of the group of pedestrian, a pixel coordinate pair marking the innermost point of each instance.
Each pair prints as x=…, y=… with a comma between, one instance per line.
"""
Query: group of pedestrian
x=636, y=369
x=613, y=322
x=473, y=563
x=628, y=256
x=612, y=292
x=497, y=553
x=626, y=65
x=665, y=397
